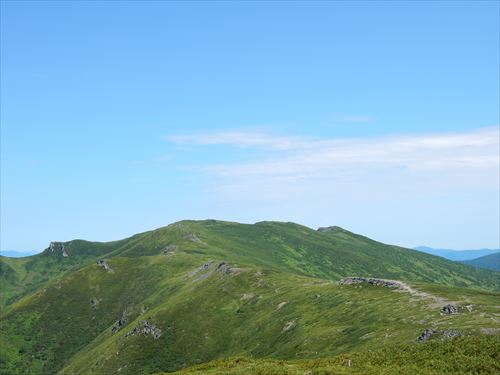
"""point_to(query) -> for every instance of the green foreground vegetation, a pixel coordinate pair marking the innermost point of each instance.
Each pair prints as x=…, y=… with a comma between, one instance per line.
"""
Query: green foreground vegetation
x=199, y=291
x=469, y=355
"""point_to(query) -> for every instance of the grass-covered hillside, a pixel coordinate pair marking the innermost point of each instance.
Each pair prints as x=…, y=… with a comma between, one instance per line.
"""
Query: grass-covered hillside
x=198, y=291
x=489, y=262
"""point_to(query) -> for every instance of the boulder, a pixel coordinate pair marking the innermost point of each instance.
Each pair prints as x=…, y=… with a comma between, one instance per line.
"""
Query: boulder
x=449, y=309
x=104, y=264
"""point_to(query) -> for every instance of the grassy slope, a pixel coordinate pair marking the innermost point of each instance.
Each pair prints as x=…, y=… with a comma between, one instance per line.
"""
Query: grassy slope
x=468, y=355
x=225, y=314
x=24, y=275
x=489, y=262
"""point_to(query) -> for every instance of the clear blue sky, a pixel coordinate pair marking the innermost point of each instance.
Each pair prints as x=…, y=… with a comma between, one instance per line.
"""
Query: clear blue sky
x=119, y=117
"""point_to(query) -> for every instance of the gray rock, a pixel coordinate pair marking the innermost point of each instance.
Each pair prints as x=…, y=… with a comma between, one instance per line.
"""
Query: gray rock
x=449, y=334
x=104, y=264
x=449, y=309
x=426, y=335
x=332, y=228
x=201, y=268
x=145, y=328
x=443, y=335
x=170, y=248
x=120, y=323
x=63, y=251
x=371, y=281
x=94, y=302
x=193, y=237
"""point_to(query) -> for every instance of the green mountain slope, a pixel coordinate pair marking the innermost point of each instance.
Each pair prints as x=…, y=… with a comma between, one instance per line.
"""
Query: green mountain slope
x=197, y=291
x=489, y=262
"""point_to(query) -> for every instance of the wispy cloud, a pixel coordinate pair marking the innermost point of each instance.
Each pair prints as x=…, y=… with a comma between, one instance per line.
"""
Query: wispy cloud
x=354, y=118
x=241, y=139
x=163, y=158
x=293, y=164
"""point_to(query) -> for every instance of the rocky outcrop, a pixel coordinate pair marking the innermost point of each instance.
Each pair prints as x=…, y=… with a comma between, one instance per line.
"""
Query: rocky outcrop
x=200, y=268
x=104, y=264
x=333, y=228
x=63, y=251
x=54, y=246
x=170, y=248
x=193, y=238
x=281, y=304
x=446, y=334
x=426, y=335
x=289, y=325
x=145, y=328
x=210, y=267
x=120, y=323
x=449, y=309
x=94, y=302
x=224, y=268
x=371, y=281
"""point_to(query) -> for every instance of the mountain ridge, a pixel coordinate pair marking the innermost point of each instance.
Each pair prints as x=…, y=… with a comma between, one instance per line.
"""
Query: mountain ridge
x=195, y=291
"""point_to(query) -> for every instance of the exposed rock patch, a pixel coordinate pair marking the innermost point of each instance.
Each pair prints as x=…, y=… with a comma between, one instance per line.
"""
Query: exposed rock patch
x=446, y=334
x=170, y=248
x=145, y=328
x=193, y=237
x=104, y=264
x=371, y=281
x=200, y=268
x=223, y=267
x=281, y=304
x=449, y=309
x=63, y=251
x=426, y=335
x=120, y=323
x=210, y=267
x=54, y=246
x=94, y=302
x=247, y=296
x=289, y=325
x=328, y=229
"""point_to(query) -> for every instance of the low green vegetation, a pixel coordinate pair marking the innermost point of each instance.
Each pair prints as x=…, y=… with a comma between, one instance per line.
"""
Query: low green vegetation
x=195, y=292
x=468, y=355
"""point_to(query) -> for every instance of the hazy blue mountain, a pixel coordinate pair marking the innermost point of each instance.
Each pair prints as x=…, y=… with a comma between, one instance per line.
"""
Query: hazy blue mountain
x=457, y=255
x=16, y=254
x=489, y=262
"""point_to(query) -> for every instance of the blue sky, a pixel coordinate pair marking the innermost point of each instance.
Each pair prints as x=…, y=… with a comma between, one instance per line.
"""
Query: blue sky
x=380, y=117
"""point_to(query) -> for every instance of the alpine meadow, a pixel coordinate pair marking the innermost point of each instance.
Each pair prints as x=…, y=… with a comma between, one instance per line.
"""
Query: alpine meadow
x=197, y=291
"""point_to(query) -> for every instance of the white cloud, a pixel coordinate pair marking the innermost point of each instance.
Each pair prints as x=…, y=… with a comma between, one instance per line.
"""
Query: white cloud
x=291, y=166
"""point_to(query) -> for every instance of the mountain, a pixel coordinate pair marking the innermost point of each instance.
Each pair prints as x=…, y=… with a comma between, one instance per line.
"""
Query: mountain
x=198, y=291
x=457, y=255
x=15, y=254
x=489, y=262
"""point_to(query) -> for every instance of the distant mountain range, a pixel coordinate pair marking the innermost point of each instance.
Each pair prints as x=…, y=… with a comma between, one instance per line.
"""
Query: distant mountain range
x=457, y=255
